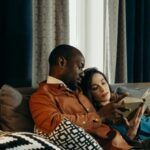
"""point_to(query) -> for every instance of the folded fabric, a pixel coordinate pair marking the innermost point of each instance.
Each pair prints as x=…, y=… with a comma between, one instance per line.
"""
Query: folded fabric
x=24, y=141
x=68, y=136
x=144, y=128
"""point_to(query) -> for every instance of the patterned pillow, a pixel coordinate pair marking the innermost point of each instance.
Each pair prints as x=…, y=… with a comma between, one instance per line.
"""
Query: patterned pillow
x=68, y=136
x=24, y=141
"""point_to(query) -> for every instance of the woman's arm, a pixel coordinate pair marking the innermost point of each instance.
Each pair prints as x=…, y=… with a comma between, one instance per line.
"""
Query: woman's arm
x=134, y=123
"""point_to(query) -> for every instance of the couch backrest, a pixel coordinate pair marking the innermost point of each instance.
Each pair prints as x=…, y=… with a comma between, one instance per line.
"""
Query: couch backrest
x=14, y=109
x=134, y=89
x=14, y=104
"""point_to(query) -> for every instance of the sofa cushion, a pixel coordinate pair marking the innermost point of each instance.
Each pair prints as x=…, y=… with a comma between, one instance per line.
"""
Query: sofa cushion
x=24, y=141
x=69, y=136
x=134, y=92
x=15, y=114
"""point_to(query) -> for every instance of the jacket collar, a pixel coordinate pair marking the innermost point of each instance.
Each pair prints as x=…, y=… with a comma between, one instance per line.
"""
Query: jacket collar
x=53, y=80
x=58, y=88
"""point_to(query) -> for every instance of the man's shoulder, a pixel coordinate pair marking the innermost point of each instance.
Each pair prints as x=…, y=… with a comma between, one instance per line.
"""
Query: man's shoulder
x=47, y=88
x=44, y=92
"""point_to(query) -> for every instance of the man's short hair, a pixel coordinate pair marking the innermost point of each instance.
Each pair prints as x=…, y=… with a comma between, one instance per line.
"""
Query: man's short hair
x=63, y=50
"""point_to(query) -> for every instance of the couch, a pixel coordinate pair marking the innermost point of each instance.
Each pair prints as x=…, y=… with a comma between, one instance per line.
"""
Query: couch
x=17, y=126
x=14, y=110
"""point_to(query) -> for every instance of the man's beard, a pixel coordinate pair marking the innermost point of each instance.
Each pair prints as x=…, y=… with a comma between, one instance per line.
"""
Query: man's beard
x=72, y=86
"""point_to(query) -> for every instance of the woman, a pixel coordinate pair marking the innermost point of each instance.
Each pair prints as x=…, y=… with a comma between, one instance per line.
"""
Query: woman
x=96, y=87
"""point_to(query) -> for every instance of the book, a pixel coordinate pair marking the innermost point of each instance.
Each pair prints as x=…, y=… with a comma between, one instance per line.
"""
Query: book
x=133, y=103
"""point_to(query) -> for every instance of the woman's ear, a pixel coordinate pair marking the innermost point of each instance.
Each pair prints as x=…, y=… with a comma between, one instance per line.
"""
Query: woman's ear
x=62, y=62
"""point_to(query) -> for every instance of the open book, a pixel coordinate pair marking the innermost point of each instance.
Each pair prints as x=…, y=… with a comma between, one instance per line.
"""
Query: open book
x=132, y=103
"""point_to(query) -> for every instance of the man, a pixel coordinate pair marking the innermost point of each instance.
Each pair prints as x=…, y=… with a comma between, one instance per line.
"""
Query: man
x=59, y=98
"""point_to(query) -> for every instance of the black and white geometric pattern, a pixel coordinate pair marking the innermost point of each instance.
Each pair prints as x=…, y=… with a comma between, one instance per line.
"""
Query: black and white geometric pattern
x=24, y=141
x=68, y=136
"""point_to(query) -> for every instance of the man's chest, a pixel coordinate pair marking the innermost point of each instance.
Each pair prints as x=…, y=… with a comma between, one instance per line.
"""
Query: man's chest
x=72, y=104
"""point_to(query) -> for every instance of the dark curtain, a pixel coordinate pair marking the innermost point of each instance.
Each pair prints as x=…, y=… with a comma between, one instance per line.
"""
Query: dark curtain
x=121, y=62
x=15, y=42
x=138, y=40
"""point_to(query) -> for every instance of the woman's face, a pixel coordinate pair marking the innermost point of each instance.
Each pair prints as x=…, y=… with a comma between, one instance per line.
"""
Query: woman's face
x=100, y=89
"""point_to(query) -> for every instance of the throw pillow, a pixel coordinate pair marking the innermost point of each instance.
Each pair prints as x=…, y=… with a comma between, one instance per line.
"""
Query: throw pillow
x=24, y=141
x=15, y=114
x=68, y=136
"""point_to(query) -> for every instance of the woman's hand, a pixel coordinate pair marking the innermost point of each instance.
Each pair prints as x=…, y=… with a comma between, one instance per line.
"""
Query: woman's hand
x=134, y=123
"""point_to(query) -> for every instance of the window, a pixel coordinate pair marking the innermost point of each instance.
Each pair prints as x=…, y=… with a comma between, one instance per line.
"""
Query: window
x=87, y=30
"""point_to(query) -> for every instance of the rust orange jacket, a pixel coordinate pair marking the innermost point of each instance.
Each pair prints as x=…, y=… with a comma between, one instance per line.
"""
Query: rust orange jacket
x=53, y=102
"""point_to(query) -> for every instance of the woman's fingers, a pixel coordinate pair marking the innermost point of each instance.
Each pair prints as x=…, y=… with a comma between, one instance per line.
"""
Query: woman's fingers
x=143, y=108
x=118, y=112
x=140, y=111
x=126, y=121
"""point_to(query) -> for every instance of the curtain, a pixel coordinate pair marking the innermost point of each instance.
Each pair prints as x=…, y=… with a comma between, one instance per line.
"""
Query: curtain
x=16, y=42
x=50, y=28
x=115, y=52
x=138, y=40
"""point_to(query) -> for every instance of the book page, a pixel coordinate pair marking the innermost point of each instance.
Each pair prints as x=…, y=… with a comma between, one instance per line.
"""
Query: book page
x=146, y=98
x=131, y=103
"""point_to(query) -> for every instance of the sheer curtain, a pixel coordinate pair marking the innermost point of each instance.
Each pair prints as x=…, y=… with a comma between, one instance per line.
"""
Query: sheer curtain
x=115, y=52
x=50, y=28
x=86, y=30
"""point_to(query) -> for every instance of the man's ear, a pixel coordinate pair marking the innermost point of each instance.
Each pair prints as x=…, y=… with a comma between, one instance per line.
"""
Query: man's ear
x=62, y=62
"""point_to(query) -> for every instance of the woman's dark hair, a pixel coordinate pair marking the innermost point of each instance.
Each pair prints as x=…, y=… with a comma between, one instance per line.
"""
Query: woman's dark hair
x=86, y=84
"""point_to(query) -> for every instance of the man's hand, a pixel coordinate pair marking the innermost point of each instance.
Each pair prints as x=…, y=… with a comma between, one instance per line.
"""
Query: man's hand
x=114, y=108
x=110, y=109
x=118, y=97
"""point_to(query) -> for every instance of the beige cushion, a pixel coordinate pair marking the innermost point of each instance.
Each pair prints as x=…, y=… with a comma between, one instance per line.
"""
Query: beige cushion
x=14, y=110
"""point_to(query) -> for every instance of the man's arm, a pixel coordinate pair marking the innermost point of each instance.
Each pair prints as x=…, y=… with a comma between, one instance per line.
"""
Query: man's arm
x=115, y=106
x=47, y=114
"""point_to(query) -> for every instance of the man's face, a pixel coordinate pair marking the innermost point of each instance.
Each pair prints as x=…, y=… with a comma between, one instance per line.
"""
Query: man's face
x=74, y=71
